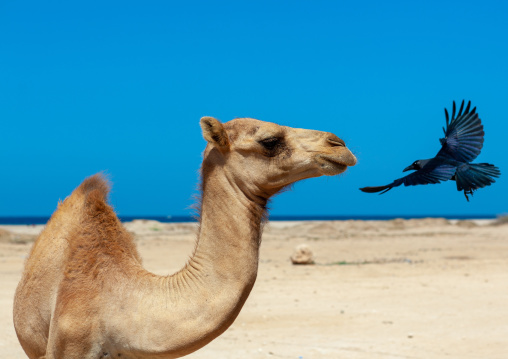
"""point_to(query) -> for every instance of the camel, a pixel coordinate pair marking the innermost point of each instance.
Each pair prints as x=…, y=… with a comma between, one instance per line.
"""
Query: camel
x=84, y=292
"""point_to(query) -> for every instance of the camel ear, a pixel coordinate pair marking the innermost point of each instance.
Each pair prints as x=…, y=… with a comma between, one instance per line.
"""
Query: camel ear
x=214, y=132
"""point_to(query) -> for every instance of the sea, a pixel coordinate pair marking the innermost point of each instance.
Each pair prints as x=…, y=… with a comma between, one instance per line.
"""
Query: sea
x=32, y=220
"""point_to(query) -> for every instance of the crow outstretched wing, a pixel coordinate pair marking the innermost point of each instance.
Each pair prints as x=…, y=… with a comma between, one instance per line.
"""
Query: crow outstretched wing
x=463, y=139
x=432, y=172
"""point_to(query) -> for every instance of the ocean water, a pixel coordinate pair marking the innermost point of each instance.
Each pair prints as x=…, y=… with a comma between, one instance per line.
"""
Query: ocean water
x=169, y=219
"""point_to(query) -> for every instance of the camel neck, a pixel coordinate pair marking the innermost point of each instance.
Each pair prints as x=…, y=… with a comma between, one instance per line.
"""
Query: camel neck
x=230, y=227
x=207, y=295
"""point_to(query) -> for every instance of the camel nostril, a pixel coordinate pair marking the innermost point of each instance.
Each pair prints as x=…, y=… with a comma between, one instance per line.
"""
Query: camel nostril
x=335, y=141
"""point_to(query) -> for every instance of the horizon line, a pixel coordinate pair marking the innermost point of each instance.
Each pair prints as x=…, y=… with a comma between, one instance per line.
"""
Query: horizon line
x=32, y=220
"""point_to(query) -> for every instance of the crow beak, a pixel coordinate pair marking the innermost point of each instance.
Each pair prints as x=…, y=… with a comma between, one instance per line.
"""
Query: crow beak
x=409, y=168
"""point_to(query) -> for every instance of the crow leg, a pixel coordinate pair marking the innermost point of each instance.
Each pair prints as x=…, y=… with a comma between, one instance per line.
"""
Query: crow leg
x=468, y=192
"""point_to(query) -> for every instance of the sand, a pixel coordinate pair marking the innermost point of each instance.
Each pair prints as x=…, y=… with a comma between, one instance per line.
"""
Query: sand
x=427, y=288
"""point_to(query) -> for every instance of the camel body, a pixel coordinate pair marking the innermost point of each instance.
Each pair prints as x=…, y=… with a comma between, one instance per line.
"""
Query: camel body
x=84, y=292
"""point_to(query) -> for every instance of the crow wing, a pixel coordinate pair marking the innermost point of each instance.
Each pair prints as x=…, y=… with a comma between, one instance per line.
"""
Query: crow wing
x=463, y=139
x=433, y=172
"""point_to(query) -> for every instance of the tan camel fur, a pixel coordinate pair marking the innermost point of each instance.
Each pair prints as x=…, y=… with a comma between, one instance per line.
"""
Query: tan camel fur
x=84, y=293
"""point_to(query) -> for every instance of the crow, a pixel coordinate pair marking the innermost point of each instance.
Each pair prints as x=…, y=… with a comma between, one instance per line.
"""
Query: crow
x=462, y=143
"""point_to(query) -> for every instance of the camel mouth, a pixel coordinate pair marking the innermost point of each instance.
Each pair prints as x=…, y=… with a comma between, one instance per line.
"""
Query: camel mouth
x=331, y=165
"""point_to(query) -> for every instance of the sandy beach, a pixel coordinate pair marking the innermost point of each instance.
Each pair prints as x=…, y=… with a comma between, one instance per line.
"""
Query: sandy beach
x=427, y=288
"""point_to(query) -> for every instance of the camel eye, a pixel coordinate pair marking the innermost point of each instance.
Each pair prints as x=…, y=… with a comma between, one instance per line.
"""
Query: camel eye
x=270, y=143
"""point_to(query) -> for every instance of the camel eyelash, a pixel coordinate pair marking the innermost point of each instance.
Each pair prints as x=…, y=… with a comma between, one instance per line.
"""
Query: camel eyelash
x=270, y=143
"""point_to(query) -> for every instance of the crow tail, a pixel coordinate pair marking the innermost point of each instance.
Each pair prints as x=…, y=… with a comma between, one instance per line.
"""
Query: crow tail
x=472, y=176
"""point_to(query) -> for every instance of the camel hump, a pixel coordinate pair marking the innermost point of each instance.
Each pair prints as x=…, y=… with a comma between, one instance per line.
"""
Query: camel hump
x=95, y=187
x=95, y=190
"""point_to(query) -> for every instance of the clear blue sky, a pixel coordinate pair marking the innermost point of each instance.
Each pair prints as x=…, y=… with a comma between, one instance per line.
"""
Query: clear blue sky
x=119, y=86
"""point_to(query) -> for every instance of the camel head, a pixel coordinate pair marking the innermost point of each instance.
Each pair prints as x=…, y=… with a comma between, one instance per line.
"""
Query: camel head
x=264, y=157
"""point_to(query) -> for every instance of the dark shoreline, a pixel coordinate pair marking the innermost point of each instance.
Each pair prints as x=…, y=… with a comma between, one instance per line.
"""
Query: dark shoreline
x=29, y=220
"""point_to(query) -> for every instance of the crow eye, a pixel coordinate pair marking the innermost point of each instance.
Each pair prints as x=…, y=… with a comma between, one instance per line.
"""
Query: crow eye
x=270, y=143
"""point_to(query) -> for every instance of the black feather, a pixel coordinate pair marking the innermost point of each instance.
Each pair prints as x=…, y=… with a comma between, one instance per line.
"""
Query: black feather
x=375, y=189
x=467, y=107
x=461, y=107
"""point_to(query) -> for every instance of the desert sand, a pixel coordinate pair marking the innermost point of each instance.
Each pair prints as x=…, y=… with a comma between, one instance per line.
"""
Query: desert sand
x=427, y=288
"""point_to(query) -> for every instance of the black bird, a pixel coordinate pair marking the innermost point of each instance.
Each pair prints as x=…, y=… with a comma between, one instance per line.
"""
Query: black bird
x=462, y=143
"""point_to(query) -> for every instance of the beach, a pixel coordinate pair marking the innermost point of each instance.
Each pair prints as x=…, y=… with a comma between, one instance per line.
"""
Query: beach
x=422, y=288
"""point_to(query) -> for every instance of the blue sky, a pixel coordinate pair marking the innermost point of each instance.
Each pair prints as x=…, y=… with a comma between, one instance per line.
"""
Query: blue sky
x=119, y=86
